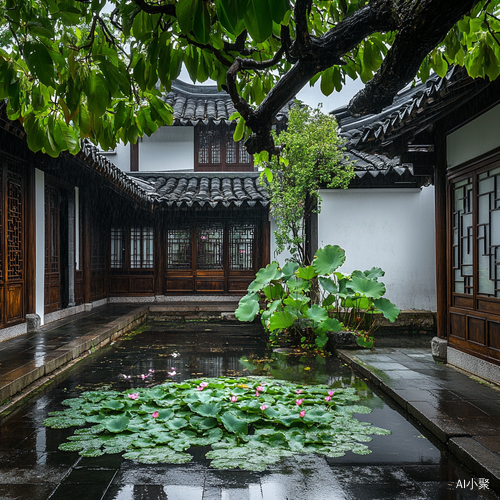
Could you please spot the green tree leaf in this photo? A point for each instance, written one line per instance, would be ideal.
(39, 62)
(258, 20)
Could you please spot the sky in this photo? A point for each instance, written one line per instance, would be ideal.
(312, 96)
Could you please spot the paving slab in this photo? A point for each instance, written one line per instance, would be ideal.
(461, 411)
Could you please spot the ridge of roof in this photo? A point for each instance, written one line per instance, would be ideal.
(413, 110)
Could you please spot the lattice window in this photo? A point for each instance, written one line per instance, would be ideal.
(15, 256)
(231, 150)
(203, 148)
(1, 228)
(117, 248)
(209, 239)
(215, 146)
(209, 146)
(97, 251)
(462, 248)
(141, 248)
(241, 246)
(179, 249)
(488, 232)
(236, 152)
(244, 156)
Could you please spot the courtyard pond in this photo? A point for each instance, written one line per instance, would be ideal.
(213, 413)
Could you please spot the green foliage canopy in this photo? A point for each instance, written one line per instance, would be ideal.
(69, 70)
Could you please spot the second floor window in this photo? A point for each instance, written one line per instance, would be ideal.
(216, 151)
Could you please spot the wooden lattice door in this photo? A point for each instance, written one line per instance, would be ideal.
(52, 249)
(474, 260)
(12, 286)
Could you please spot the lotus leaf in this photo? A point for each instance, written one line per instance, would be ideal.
(248, 307)
(279, 430)
(367, 287)
(306, 273)
(328, 259)
(387, 308)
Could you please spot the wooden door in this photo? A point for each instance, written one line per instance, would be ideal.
(474, 259)
(53, 276)
(12, 285)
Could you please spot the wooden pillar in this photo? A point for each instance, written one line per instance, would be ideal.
(86, 247)
(159, 253)
(441, 240)
(134, 157)
(266, 239)
(30, 236)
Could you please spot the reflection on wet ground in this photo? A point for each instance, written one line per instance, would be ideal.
(405, 465)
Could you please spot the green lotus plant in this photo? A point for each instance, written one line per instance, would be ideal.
(248, 422)
(351, 302)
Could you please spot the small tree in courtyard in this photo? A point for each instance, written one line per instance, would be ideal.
(312, 156)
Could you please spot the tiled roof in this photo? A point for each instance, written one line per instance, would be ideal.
(200, 189)
(92, 158)
(413, 110)
(194, 104)
(375, 164)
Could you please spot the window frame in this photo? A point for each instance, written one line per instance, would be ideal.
(145, 255)
(225, 134)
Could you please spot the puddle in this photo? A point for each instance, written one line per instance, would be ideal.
(404, 465)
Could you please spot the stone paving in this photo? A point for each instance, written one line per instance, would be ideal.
(461, 411)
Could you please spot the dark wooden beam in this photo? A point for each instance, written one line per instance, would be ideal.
(86, 246)
(134, 157)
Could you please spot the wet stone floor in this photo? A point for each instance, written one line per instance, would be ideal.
(404, 465)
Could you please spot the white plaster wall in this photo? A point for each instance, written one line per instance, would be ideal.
(281, 257)
(40, 243)
(475, 138)
(122, 157)
(388, 228)
(169, 148)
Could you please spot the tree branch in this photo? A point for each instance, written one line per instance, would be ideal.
(424, 25)
(168, 8)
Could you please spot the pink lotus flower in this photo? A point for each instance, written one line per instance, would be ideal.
(151, 371)
(155, 414)
(200, 388)
(144, 376)
(299, 401)
(263, 407)
(302, 413)
(328, 398)
(203, 384)
(172, 373)
(260, 388)
(234, 399)
(135, 395)
(257, 394)
(330, 393)
(299, 391)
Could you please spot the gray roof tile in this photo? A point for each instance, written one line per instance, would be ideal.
(194, 104)
(200, 188)
(412, 111)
